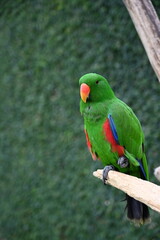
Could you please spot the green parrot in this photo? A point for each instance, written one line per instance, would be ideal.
(114, 136)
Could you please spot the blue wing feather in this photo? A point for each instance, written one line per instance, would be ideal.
(142, 169)
(113, 128)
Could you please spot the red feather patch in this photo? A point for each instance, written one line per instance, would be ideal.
(110, 138)
(89, 145)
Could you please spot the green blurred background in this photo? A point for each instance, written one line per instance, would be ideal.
(47, 190)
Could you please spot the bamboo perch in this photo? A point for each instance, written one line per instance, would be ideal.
(141, 190)
(147, 25)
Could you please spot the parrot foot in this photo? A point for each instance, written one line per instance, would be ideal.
(123, 162)
(105, 172)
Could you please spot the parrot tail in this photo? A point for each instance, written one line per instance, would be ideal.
(137, 211)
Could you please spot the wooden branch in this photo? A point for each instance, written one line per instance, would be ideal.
(147, 25)
(141, 190)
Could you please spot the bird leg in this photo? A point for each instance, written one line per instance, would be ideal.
(105, 172)
(123, 162)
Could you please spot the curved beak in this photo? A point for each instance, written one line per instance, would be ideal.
(84, 92)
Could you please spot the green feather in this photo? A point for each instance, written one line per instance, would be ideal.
(131, 159)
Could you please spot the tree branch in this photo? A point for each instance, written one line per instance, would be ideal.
(141, 190)
(147, 25)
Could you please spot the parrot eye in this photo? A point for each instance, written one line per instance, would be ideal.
(97, 82)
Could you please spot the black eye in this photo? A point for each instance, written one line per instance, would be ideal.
(97, 82)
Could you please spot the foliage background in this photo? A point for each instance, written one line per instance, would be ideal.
(46, 183)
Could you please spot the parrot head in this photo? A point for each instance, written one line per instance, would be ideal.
(94, 88)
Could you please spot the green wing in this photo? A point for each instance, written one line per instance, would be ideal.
(129, 132)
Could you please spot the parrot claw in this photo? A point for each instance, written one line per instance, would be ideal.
(123, 162)
(105, 172)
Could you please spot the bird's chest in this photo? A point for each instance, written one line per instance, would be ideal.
(97, 143)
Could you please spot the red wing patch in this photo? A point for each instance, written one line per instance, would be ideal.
(110, 138)
(89, 145)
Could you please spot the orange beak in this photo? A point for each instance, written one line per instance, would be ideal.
(84, 92)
